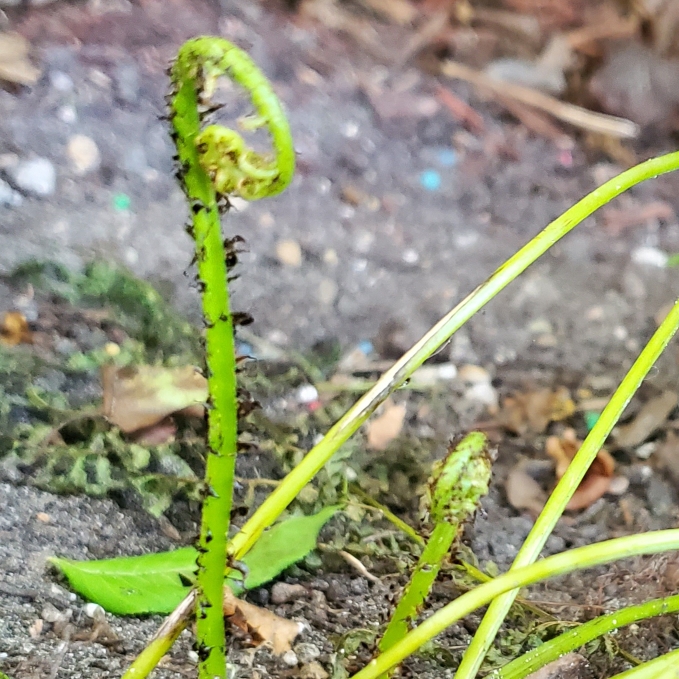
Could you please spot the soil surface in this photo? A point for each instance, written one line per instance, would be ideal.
(360, 247)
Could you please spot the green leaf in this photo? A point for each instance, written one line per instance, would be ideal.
(156, 583)
(283, 545)
(152, 583)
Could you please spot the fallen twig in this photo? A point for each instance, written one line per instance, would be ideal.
(570, 113)
(461, 110)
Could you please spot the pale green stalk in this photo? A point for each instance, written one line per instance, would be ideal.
(582, 634)
(568, 484)
(553, 566)
(664, 667)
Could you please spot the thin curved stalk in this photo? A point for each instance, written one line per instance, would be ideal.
(553, 566)
(664, 667)
(582, 634)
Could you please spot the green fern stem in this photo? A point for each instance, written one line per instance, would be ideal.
(209, 168)
(455, 488)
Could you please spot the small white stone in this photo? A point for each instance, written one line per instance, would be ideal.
(60, 81)
(67, 114)
(306, 393)
(290, 658)
(327, 291)
(36, 176)
(83, 153)
(645, 450)
(410, 256)
(289, 253)
(330, 257)
(94, 611)
(650, 256)
(193, 657)
(619, 485)
(482, 392)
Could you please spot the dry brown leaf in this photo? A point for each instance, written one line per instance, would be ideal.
(648, 419)
(523, 491)
(136, 397)
(385, 428)
(263, 626)
(531, 412)
(14, 64)
(14, 329)
(598, 478)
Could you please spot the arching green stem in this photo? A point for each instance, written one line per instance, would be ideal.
(582, 634)
(553, 566)
(213, 162)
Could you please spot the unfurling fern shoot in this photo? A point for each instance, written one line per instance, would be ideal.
(214, 162)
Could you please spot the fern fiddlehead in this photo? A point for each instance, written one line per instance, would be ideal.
(213, 163)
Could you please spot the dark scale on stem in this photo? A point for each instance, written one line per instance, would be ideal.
(242, 318)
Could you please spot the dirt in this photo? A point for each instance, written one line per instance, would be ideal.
(382, 258)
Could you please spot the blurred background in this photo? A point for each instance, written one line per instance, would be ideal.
(433, 138)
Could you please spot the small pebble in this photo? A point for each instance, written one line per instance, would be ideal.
(430, 180)
(60, 81)
(650, 256)
(282, 592)
(35, 629)
(327, 291)
(289, 253)
(410, 256)
(307, 652)
(313, 670)
(330, 257)
(306, 393)
(473, 374)
(67, 114)
(618, 485)
(36, 176)
(94, 611)
(482, 392)
(83, 153)
(645, 450)
(50, 613)
(289, 658)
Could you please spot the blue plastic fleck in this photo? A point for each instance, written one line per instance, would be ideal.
(244, 349)
(447, 157)
(430, 180)
(366, 347)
